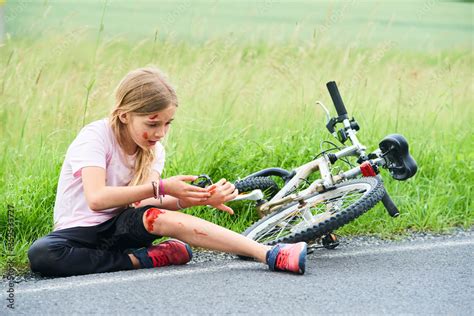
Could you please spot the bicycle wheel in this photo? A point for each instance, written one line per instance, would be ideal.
(266, 184)
(322, 213)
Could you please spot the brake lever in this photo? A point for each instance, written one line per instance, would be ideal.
(328, 115)
(330, 121)
(255, 195)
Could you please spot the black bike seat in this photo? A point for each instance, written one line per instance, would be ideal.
(395, 148)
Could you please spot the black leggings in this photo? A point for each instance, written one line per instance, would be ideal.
(94, 249)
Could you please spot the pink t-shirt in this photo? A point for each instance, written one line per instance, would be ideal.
(95, 145)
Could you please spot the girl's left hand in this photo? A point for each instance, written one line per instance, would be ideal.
(221, 192)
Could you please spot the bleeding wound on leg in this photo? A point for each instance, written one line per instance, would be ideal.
(150, 217)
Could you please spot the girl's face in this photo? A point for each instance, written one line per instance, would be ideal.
(146, 130)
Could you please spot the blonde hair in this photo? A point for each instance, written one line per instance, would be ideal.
(142, 91)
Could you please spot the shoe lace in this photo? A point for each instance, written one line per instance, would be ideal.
(159, 258)
(282, 260)
(167, 254)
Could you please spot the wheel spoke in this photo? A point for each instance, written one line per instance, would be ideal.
(323, 207)
(307, 215)
(281, 225)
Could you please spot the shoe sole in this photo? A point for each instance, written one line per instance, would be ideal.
(302, 259)
(190, 251)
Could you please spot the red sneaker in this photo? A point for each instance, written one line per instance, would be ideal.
(288, 257)
(170, 252)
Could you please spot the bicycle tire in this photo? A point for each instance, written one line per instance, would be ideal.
(325, 223)
(266, 184)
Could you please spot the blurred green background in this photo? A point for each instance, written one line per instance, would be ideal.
(414, 25)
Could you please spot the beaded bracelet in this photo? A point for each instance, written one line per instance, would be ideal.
(159, 195)
(155, 189)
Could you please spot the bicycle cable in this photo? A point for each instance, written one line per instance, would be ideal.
(295, 188)
(335, 147)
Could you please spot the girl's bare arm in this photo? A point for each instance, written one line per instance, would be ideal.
(168, 202)
(100, 197)
(221, 192)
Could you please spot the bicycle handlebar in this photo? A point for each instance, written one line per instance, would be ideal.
(390, 205)
(336, 99)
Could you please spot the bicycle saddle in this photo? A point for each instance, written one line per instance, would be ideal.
(402, 166)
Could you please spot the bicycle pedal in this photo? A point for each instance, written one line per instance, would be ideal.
(330, 241)
(311, 248)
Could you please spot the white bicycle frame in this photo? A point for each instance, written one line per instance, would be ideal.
(327, 179)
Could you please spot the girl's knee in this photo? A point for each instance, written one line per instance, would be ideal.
(153, 220)
(42, 256)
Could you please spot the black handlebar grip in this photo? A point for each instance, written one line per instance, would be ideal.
(336, 99)
(390, 206)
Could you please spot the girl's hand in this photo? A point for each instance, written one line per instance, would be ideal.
(176, 186)
(221, 192)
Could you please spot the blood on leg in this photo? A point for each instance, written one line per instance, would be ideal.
(200, 233)
(151, 215)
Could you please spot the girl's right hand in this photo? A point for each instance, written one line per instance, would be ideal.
(176, 186)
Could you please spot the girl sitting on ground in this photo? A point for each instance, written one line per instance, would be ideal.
(112, 202)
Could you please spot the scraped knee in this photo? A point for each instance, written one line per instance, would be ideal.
(151, 220)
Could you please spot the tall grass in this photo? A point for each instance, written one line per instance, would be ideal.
(243, 107)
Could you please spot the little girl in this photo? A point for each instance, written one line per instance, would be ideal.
(117, 162)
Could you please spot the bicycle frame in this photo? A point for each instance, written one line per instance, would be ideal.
(327, 180)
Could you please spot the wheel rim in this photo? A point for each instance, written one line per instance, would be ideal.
(317, 209)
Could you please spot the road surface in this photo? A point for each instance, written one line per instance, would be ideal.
(420, 276)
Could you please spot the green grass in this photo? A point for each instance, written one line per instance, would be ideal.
(243, 107)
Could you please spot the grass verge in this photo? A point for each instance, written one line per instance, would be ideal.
(243, 107)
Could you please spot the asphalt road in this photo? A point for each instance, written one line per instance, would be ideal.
(420, 276)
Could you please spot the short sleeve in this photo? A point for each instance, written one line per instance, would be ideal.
(89, 149)
(159, 163)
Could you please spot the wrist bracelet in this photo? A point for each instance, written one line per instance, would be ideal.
(159, 190)
(162, 188)
(178, 205)
(155, 189)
